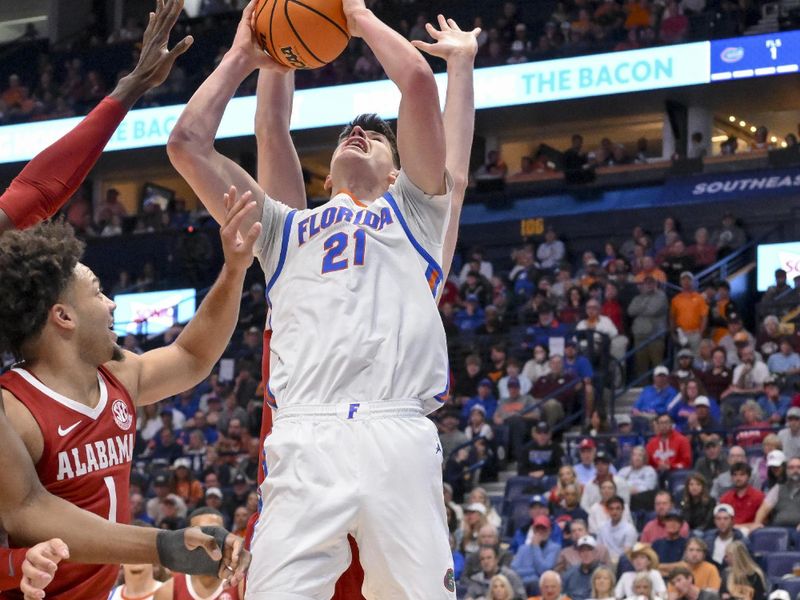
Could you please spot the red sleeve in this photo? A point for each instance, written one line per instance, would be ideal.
(11, 567)
(53, 175)
(684, 452)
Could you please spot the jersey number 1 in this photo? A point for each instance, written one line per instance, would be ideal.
(335, 246)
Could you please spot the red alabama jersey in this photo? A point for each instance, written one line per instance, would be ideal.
(86, 460)
(183, 590)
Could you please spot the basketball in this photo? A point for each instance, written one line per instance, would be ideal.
(301, 34)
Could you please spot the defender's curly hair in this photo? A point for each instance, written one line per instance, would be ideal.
(35, 268)
(372, 122)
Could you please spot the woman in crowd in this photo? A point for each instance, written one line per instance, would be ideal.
(480, 496)
(645, 564)
(573, 310)
(697, 506)
(538, 366)
(500, 588)
(766, 474)
(598, 513)
(474, 519)
(742, 579)
(641, 478)
(754, 427)
(603, 582)
(642, 588)
(566, 476)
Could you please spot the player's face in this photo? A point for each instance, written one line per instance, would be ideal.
(93, 317)
(206, 521)
(140, 571)
(365, 153)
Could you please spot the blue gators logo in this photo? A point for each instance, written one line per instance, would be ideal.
(732, 54)
(450, 581)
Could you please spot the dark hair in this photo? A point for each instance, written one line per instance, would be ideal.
(677, 571)
(205, 510)
(36, 266)
(372, 122)
(488, 547)
(617, 500)
(704, 493)
(742, 467)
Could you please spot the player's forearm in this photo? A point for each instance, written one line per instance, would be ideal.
(128, 90)
(197, 126)
(279, 171)
(403, 64)
(209, 332)
(459, 120)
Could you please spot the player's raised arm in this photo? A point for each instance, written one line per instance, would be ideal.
(279, 172)
(420, 132)
(167, 371)
(191, 143)
(53, 175)
(458, 48)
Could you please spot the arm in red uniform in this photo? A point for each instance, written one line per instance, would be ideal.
(52, 176)
(11, 568)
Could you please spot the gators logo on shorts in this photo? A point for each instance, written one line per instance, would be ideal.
(450, 580)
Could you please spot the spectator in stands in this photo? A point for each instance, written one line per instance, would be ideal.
(656, 528)
(668, 449)
(718, 378)
(768, 337)
(471, 316)
(493, 168)
(479, 583)
(744, 498)
(743, 578)
(537, 507)
(578, 579)
(720, 311)
(780, 507)
(450, 436)
(601, 324)
(541, 456)
(513, 372)
(474, 520)
(692, 412)
(477, 425)
(591, 490)
(487, 536)
(600, 513)
(786, 361)
(550, 586)
(467, 382)
(546, 328)
(484, 398)
(682, 580)
(572, 311)
(552, 251)
(649, 268)
(728, 237)
(640, 478)
(649, 310)
(706, 576)
(538, 366)
(670, 549)
(773, 404)
(724, 482)
(526, 170)
(654, 399)
(497, 362)
(585, 469)
(688, 314)
(674, 24)
(724, 533)
(702, 252)
(566, 477)
(603, 583)
(536, 556)
(645, 561)
(736, 338)
(684, 370)
(697, 506)
(747, 383)
(569, 508)
(574, 158)
(790, 435)
(617, 533)
(780, 287)
(711, 465)
(578, 367)
(570, 556)
(514, 417)
(559, 390)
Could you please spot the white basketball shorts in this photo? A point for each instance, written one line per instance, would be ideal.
(372, 470)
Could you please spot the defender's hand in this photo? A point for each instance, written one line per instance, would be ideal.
(450, 40)
(39, 568)
(238, 250)
(156, 60)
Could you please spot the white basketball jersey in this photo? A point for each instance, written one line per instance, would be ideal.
(352, 290)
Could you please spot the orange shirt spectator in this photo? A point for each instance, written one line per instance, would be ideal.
(689, 311)
(638, 14)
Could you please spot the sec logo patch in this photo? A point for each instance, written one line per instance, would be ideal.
(122, 416)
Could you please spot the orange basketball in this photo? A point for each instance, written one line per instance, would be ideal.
(301, 34)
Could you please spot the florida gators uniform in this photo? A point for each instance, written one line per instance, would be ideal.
(358, 357)
(86, 460)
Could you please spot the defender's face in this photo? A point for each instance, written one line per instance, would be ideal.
(362, 149)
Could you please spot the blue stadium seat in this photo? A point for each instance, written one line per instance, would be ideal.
(517, 487)
(780, 564)
(519, 516)
(769, 539)
(678, 478)
(791, 585)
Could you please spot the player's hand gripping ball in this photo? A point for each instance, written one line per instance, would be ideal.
(301, 34)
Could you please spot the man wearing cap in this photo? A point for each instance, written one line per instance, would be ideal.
(688, 314)
(648, 310)
(790, 435)
(470, 317)
(479, 583)
(781, 505)
(548, 326)
(723, 483)
(578, 579)
(748, 382)
(685, 369)
(671, 547)
(238, 496)
(585, 469)
(591, 490)
(538, 555)
(656, 529)
(487, 536)
(668, 449)
(744, 498)
(718, 539)
(655, 398)
(484, 398)
(737, 336)
(559, 390)
(511, 416)
(711, 465)
(579, 366)
(213, 498)
(774, 404)
(569, 556)
(538, 507)
(541, 456)
(682, 582)
(617, 534)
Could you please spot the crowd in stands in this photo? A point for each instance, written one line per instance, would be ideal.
(71, 77)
